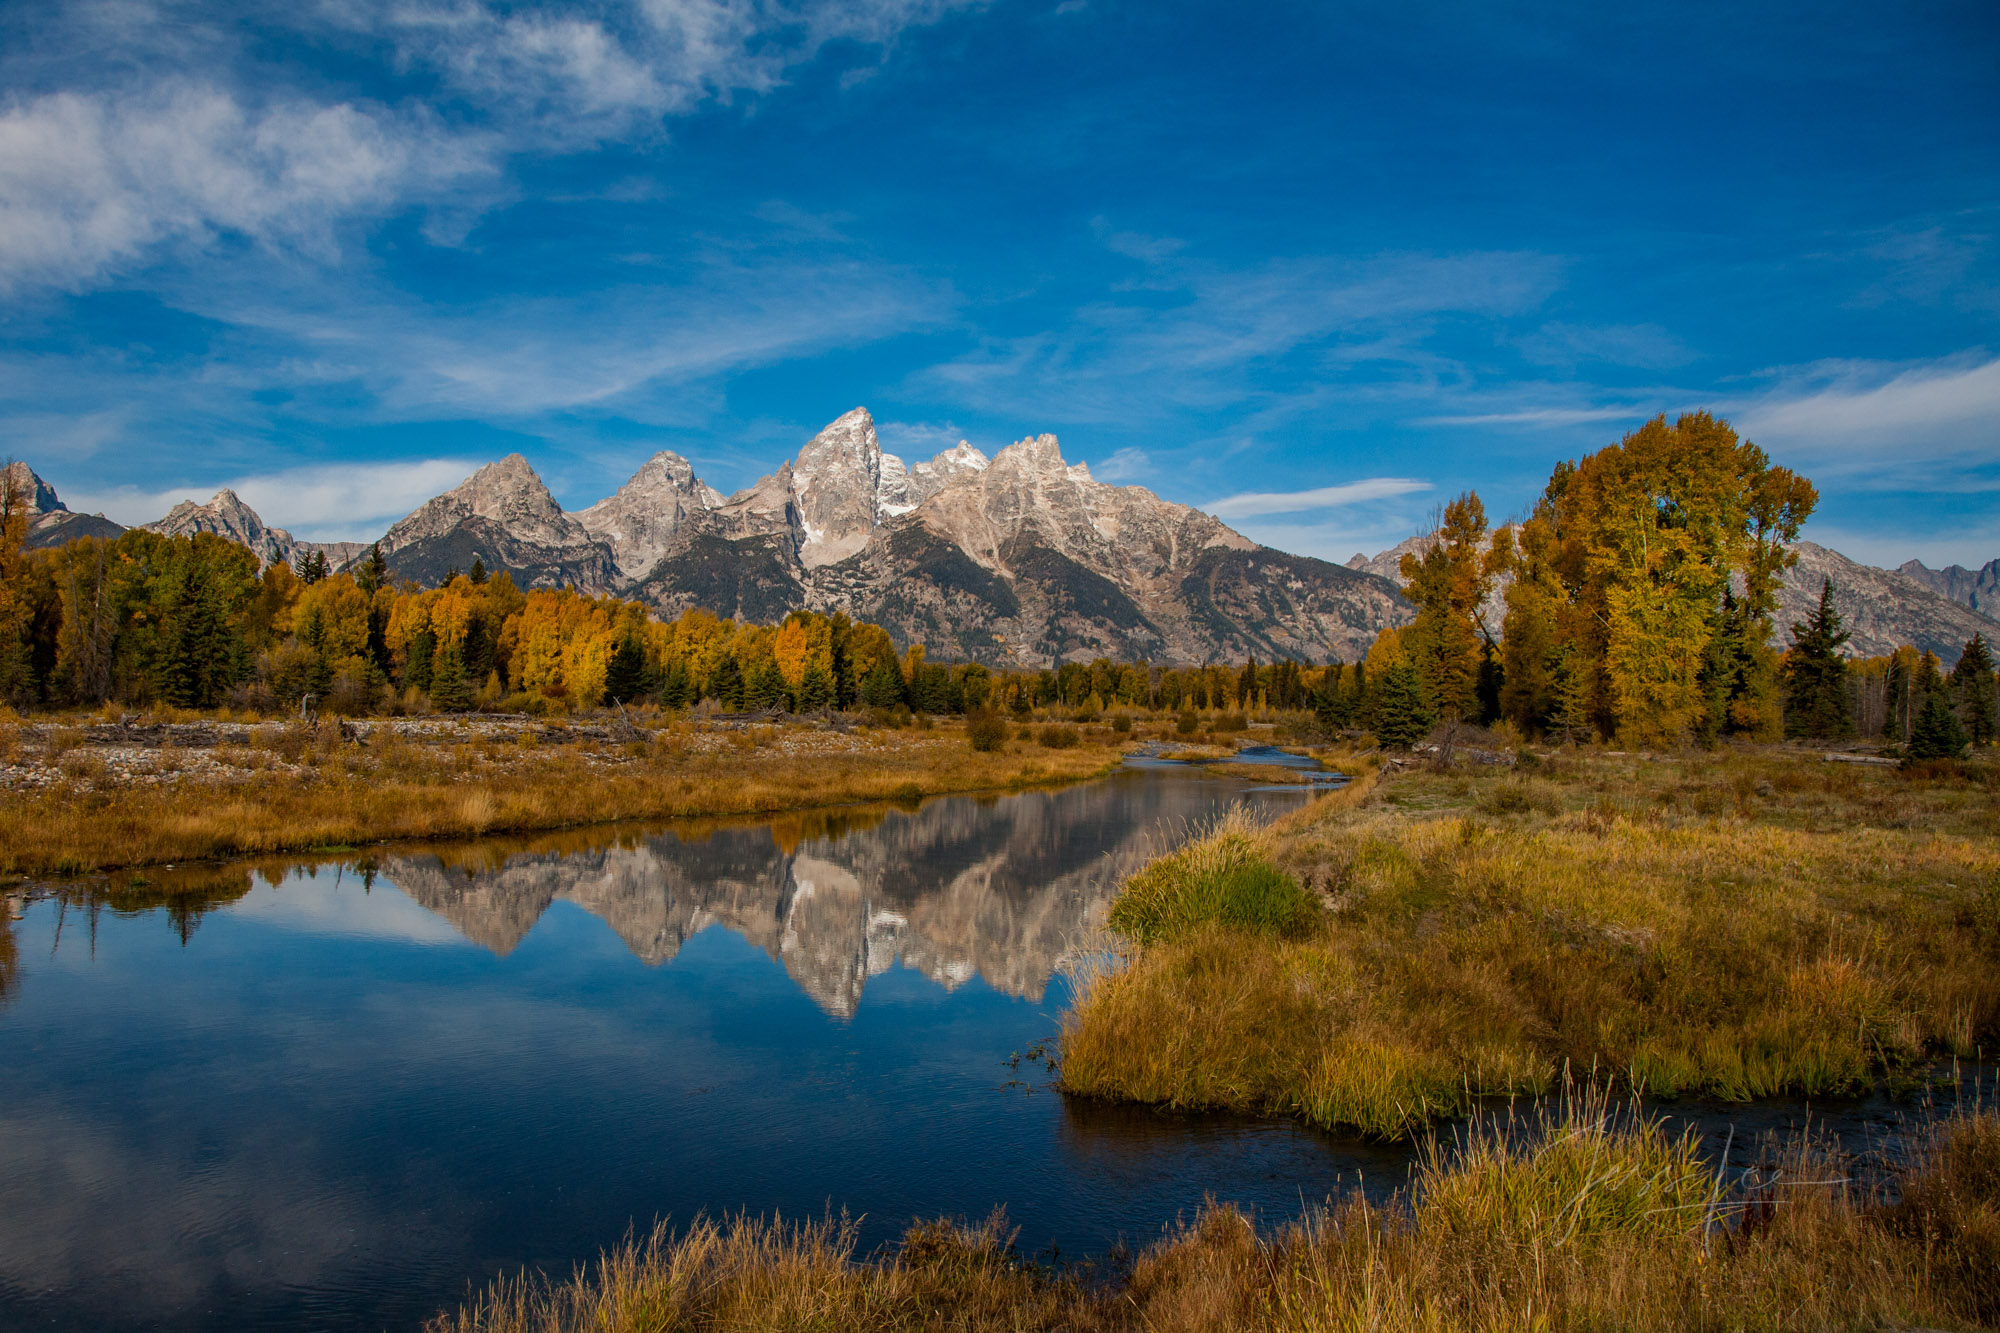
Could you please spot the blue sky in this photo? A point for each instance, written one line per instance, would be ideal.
(1316, 267)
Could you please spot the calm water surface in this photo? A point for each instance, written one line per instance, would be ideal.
(332, 1097)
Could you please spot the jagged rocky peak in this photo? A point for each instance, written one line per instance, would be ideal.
(38, 495)
(642, 519)
(226, 515)
(1978, 589)
(836, 489)
(903, 489)
(507, 492)
(503, 516)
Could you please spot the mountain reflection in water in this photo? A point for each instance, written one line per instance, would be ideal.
(995, 888)
(279, 1095)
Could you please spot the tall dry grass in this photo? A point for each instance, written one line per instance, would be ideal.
(1580, 1220)
(1739, 928)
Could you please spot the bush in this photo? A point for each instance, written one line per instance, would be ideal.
(986, 731)
(1221, 878)
(1061, 738)
(1121, 724)
(1187, 723)
(1232, 722)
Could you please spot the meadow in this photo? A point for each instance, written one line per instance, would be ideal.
(1736, 924)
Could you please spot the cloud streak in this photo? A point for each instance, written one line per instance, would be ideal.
(1252, 504)
(331, 502)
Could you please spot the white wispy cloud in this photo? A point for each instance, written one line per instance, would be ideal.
(121, 151)
(1950, 406)
(1125, 465)
(1541, 416)
(326, 502)
(1252, 504)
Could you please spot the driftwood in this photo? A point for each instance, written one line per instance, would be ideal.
(1834, 757)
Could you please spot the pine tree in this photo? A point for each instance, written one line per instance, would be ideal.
(374, 571)
(725, 685)
(1246, 683)
(313, 568)
(815, 689)
(1403, 716)
(1816, 674)
(1972, 681)
(1331, 705)
(677, 689)
(625, 673)
(882, 687)
(765, 687)
(450, 691)
(1937, 734)
(1448, 581)
(478, 574)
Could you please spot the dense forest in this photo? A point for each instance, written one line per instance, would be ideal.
(1638, 601)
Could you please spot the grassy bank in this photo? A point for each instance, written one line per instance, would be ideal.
(1584, 1224)
(286, 789)
(1737, 925)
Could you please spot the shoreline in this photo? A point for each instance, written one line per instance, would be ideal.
(290, 790)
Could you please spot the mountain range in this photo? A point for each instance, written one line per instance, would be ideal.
(1015, 560)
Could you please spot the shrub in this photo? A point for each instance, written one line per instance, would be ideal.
(1121, 724)
(1232, 722)
(1187, 723)
(1061, 738)
(1222, 878)
(986, 731)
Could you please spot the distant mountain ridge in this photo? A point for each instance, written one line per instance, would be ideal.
(1018, 559)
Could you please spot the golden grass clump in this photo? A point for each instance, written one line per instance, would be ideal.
(1808, 937)
(1579, 1219)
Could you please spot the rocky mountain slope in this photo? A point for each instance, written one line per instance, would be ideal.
(227, 516)
(504, 516)
(1978, 589)
(52, 523)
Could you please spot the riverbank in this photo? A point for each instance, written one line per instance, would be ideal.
(1739, 925)
(1584, 1222)
(87, 798)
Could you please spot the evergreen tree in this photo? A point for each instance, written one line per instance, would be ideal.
(1331, 704)
(1972, 681)
(1937, 734)
(1897, 689)
(313, 568)
(625, 673)
(1816, 674)
(725, 684)
(765, 686)
(450, 691)
(197, 654)
(1403, 716)
(374, 571)
(450, 577)
(478, 574)
(1448, 581)
(1246, 683)
(815, 689)
(677, 688)
(882, 687)
(417, 660)
(1492, 679)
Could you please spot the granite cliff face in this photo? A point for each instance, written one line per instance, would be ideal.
(640, 521)
(1978, 589)
(504, 516)
(227, 516)
(50, 522)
